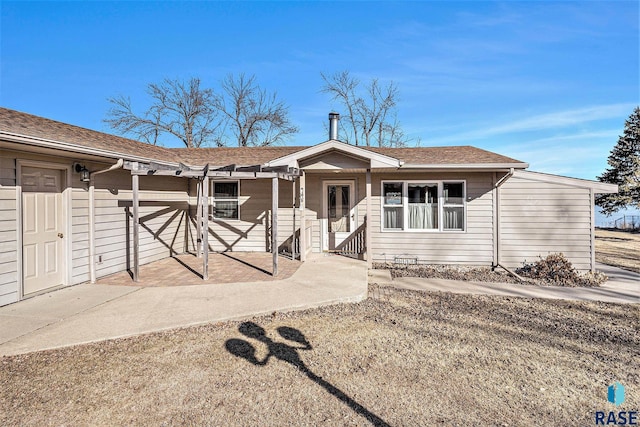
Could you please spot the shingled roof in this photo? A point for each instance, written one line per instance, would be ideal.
(27, 125)
(457, 155)
(244, 156)
(23, 124)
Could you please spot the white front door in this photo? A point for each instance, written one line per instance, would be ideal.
(339, 211)
(43, 228)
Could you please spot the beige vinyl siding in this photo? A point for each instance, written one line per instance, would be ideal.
(539, 218)
(313, 209)
(474, 246)
(163, 222)
(7, 169)
(8, 246)
(79, 234)
(251, 233)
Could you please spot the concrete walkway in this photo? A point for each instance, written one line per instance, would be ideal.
(622, 287)
(88, 313)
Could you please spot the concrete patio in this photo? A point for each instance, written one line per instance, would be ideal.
(88, 313)
(224, 267)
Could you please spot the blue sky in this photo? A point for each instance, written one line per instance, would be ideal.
(549, 83)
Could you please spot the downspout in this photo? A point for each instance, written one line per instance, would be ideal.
(496, 224)
(92, 218)
(505, 178)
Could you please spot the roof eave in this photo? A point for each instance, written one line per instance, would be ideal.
(466, 166)
(596, 186)
(59, 145)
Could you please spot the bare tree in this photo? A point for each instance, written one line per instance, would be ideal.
(371, 118)
(392, 134)
(184, 110)
(253, 116)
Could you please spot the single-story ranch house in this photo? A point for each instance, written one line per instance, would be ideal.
(77, 205)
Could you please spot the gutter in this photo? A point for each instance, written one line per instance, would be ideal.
(505, 178)
(466, 166)
(92, 217)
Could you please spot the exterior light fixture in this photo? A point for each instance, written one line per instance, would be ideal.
(83, 171)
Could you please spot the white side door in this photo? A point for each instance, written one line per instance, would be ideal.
(43, 228)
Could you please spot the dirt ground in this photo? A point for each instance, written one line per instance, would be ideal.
(618, 248)
(400, 358)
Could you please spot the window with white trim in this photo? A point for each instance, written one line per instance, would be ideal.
(453, 206)
(423, 205)
(226, 204)
(393, 209)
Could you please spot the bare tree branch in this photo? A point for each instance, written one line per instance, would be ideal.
(367, 118)
(342, 88)
(184, 110)
(253, 116)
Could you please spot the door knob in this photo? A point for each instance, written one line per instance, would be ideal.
(60, 235)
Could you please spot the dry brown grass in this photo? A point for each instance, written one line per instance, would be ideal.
(618, 248)
(406, 357)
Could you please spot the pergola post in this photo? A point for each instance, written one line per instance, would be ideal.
(293, 208)
(367, 234)
(303, 221)
(198, 218)
(274, 224)
(136, 226)
(205, 228)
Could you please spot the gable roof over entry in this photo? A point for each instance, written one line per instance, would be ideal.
(376, 160)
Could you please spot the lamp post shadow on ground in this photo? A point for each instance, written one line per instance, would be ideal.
(289, 353)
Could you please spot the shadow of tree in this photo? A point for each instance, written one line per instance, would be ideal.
(289, 353)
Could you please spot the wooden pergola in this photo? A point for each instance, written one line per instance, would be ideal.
(202, 175)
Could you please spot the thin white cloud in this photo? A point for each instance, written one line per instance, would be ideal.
(560, 140)
(566, 119)
(560, 119)
(581, 154)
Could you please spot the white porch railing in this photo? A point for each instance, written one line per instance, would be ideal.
(354, 246)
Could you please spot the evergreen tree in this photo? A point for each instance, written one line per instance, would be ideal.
(624, 169)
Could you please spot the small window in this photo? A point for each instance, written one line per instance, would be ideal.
(453, 205)
(392, 205)
(225, 200)
(393, 210)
